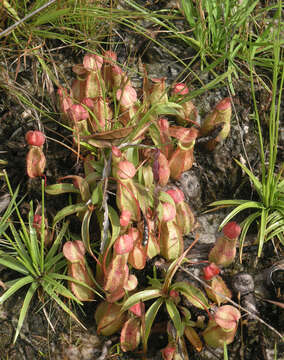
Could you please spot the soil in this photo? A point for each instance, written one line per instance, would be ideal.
(214, 176)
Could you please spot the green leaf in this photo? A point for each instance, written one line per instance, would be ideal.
(240, 208)
(12, 263)
(192, 293)
(187, 7)
(175, 316)
(257, 184)
(97, 194)
(143, 295)
(149, 319)
(62, 188)
(85, 231)
(53, 295)
(69, 210)
(261, 237)
(245, 226)
(52, 251)
(4, 220)
(115, 224)
(228, 203)
(51, 15)
(34, 248)
(18, 285)
(69, 294)
(18, 244)
(25, 307)
(58, 261)
(50, 280)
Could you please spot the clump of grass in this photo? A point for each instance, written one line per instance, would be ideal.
(268, 212)
(42, 270)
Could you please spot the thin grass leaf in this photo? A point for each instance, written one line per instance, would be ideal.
(60, 266)
(57, 287)
(278, 232)
(149, 319)
(240, 208)
(227, 203)
(261, 237)
(175, 316)
(17, 244)
(189, 12)
(257, 184)
(22, 255)
(52, 251)
(13, 264)
(17, 286)
(53, 295)
(274, 220)
(51, 16)
(281, 237)
(4, 221)
(245, 226)
(56, 276)
(25, 307)
(34, 248)
(55, 261)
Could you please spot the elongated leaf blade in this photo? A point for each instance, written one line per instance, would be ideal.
(257, 184)
(85, 231)
(240, 208)
(69, 210)
(34, 248)
(141, 296)
(13, 264)
(58, 287)
(17, 286)
(70, 278)
(245, 226)
(53, 296)
(263, 223)
(149, 319)
(192, 293)
(62, 188)
(52, 251)
(25, 308)
(228, 202)
(115, 224)
(175, 316)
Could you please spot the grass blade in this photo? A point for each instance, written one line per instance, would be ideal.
(25, 307)
(149, 319)
(175, 316)
(17, 286)
(53, 295)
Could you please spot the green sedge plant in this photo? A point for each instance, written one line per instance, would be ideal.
(220, 32)
(41, 270)
(268, 212)
(209, 18)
